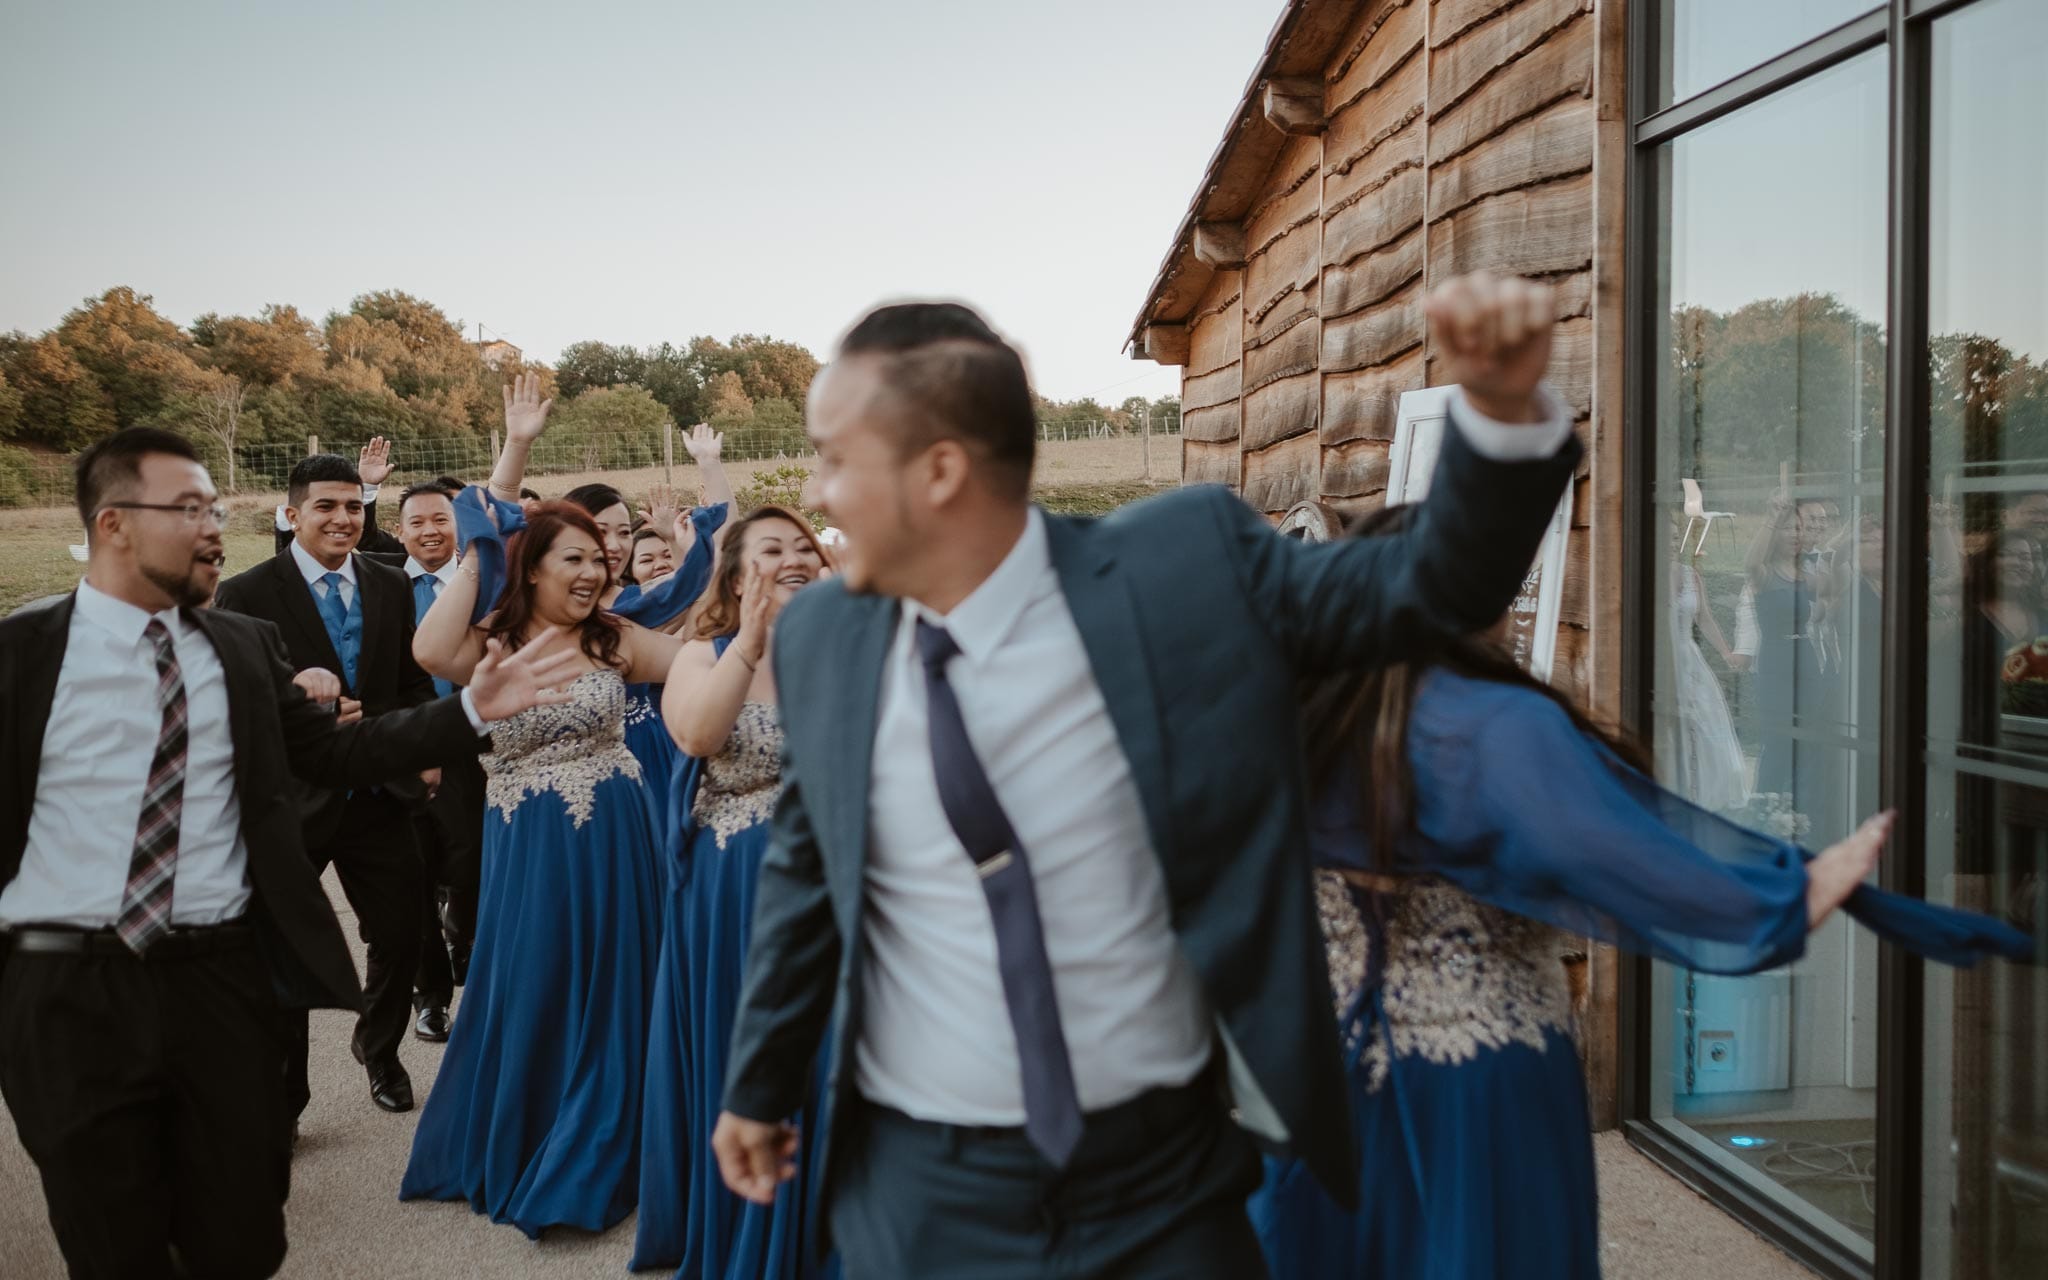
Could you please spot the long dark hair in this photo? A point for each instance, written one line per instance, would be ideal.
(596, 498)
(1360, 719)
(599, 634)
(721, 615)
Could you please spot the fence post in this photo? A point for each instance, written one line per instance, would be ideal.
(312, 445)
(494, 447)
(668, 452)
(1148, 444)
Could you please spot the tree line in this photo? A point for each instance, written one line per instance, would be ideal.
(397, 366)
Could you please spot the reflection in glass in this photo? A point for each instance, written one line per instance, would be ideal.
(1986, 1092)
(1708, 41)
(1770, 406)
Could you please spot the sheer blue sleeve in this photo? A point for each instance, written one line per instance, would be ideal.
(672, 597)
(482, 524)
(1520, 809)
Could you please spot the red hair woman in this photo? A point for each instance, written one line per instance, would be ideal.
(534, 1118)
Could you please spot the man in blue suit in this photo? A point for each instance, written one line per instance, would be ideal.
(1039, 860)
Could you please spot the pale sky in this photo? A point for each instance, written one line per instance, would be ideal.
(626, 170)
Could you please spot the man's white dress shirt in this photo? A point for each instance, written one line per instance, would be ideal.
(97, 749)
(446, 573)
(313, 571)
(936, 1041)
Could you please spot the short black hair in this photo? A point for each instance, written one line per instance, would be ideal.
(412, 491)
(319, 468)
(115, 463)
(596, 497)
(963, 381)
(524, 494)
(450, 483)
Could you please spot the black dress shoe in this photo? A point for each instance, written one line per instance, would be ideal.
(391, 1088)
(431, 1023)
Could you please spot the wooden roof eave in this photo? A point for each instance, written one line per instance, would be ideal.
(1301, 45)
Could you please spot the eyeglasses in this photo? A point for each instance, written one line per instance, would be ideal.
(192, 511)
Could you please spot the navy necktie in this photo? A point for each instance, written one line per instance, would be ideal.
(1052, 1106)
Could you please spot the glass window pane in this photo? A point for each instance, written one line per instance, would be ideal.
(1708, 41)
(1770, 456)
(1986, 1099)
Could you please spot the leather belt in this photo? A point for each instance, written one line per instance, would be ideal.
(180, 943)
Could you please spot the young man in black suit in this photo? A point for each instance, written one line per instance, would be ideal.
(157, 908)
(344, 613)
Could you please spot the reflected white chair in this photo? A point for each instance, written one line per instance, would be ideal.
(1697, 515)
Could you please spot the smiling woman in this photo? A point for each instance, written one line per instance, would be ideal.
(526, 1129)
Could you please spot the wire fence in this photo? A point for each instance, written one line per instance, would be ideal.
(43, 479)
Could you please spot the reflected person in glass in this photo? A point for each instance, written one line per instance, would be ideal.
(1788, 686)
(1463, 813)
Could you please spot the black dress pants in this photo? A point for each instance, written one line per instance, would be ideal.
(450, 832)
(376, 857)
(1155, 1191)
(150, 1093)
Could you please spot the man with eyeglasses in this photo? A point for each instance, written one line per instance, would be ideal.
(157, 908)
(342, 612)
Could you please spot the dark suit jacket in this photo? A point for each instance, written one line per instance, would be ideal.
(276, 733)
(1198, 620)
(387, 677)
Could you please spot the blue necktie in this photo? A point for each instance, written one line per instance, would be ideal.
(1052, 1106)
(426, 588)
(344, 626)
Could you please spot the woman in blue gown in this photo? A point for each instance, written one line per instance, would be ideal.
(720, 702)
(534, 1118)
(1464, 817)
(662, 604)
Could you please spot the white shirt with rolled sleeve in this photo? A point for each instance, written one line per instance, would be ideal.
(935, 1041)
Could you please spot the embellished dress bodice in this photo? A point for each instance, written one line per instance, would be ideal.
(571, 748)
(1455, 976)
(743, 781)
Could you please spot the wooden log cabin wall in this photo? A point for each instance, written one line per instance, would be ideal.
(1383, 146)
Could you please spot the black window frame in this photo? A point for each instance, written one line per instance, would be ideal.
(1905, 29)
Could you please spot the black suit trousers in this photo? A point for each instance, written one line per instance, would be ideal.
(376, 857)
(1155, 1191)
(450, 831)
(150, 1094)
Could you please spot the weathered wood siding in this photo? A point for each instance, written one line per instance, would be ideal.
(1458, 136)
(1212, 386)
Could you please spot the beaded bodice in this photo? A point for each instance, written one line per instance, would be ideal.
(569, 748)
(1458, 977)
(743, 781)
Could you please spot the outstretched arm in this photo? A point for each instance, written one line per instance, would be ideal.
(526, 416)
(1462, 557)
(707, 450)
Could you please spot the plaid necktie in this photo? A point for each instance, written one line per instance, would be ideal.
(146, 903)
(1052, 1105)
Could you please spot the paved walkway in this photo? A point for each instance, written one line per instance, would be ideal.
(346, 1222)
